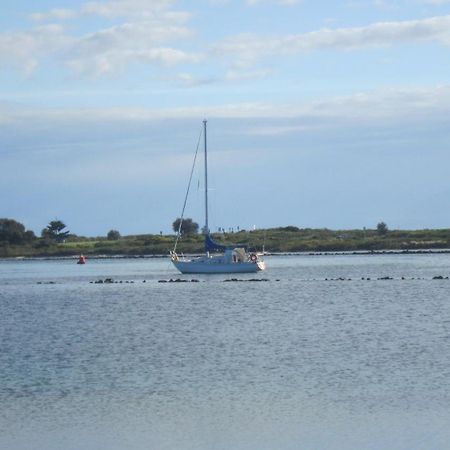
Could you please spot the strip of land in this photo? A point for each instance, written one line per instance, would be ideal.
(274, 240)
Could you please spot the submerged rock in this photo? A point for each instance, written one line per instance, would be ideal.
(179, 280)
(249, 280)
(105, 281)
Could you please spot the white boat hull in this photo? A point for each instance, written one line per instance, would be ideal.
(202, 266)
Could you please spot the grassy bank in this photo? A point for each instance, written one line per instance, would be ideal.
(287, 239)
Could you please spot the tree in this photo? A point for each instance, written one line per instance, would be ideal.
(54, 230)
(382, 229)
(187, 226)
(290, 228)
(13, 232)
(113, 235)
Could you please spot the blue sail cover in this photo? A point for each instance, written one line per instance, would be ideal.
(212, 246)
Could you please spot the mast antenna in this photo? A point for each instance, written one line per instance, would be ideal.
(206, 180)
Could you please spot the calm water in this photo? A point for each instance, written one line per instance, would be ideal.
(293, 363)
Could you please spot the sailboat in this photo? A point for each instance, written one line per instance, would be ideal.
(230, 258)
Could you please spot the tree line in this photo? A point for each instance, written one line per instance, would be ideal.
(13, 232)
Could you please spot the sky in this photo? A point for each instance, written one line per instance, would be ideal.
(322, 114)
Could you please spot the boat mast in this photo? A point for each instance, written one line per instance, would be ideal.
(206, 181)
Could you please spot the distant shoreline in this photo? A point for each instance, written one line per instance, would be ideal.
(272, 254)
(288, 240)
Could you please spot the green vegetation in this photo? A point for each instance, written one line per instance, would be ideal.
(55, 231)
(14, 233)
(186, 227)
(113, 235)
(15, 241)
(382, 229)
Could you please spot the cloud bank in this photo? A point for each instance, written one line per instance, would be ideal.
(150, 33)
(157, 35)
(378, 108)
(247, 49)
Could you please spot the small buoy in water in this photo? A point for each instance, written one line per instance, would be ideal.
(81, 260)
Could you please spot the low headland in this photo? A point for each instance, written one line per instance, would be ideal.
(289, 239)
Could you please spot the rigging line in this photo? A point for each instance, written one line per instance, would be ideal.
(187, 193)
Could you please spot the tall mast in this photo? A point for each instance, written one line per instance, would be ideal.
(206, 181)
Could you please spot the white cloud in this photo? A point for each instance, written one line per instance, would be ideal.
(156, 34)
(127, 8)
(386, 104)
(247, 49)
(112, 9)
(113, 49)
(104, 52)
(110, 62)
(145, 38)
(155, 15)
(55, 14)
(24, 50)
(271, 130)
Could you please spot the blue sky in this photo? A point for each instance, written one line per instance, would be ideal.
(320, 114)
